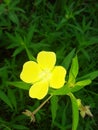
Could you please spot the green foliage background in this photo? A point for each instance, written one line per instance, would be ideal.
(63, 26)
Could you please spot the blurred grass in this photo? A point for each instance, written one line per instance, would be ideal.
(58, 26)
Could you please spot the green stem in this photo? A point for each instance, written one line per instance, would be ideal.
(36, 110)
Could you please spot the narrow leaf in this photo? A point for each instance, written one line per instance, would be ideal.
(30, 33)
(19, 127)
(67, 61)
(73, 70)
(54, 107)
(20, 84)
(13, 17)
(17, 51)
(91, 76)
(5, 98)
(64, 118)
(79, 85)
(12, 98)
(75, 112)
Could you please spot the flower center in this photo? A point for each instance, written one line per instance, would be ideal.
(45, 75)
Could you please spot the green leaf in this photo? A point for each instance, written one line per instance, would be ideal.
(2, 9)
(79, 85)
(12, 98)
(19, 127)
(7, 1)
(13, 17)
(75, 112)
(66, 62)
(73, 70)
(29, 54)
(54, 107)
(30, 33)
(61, 24)
(17, 51)
(62, 91)
(86, 54)
(14, 41)
(64, 118)
(20, 84)
(91, 76)
(13, 5)
(5, 98)
(37, 2)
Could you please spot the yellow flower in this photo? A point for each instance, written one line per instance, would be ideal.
(43, 74)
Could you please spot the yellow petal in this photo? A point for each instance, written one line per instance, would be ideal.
(58, 77)
(39, 90)
(46, 60)
(30, 72)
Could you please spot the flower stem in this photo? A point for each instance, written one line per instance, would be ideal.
(37, 109)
